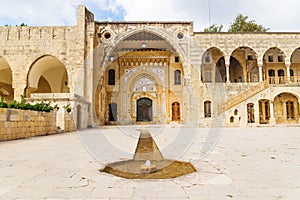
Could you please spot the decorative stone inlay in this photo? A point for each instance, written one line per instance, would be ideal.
(144, 85)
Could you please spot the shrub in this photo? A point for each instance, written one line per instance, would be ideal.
(42, 107)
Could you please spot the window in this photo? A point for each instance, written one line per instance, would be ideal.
(111, 77)
(231, 119)
(177, 59)
(207, 109)
(281, 76)
(249, 57)
(111, 58)
(177, 77)
(270, 58)
(175, 111)
(271, 76)
(280, 58)
(236, 112)
(290, 110)
(207, 58)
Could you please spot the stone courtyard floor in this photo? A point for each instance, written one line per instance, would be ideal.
(231, 163)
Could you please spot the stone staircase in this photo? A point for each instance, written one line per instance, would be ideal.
(243, 96)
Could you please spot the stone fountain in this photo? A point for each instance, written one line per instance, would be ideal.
(148, 163)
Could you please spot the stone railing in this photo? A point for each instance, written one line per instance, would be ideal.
(284, 80)
(243, 96)
(18, 124)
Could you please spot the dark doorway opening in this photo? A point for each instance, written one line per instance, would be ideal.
(144, 110)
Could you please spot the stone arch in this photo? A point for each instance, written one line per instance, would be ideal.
(112, 47)
(47, 71)
(247, 58)
(295, 66)
(286, 108)
(274, 59)
(6, 80)
(143, 74)
(213, 69)
(236, 71)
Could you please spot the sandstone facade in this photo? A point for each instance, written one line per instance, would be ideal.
(153, 72)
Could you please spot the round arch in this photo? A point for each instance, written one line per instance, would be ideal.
(6, 80)
(295, 66)
(47, 75)
(286, 108)
(212, 69)
(248, 60)
(274, 60)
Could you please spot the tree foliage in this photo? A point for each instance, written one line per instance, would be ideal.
(214, 28)
(241, 24)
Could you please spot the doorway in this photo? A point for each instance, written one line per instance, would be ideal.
(144, 110)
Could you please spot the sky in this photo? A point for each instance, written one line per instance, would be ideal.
(279, 16)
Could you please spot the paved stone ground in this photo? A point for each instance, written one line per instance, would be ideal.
(254, 163)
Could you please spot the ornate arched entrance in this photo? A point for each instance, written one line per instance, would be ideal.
(142, 82)
(144, 110)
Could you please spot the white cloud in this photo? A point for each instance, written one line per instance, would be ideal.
(277, 16)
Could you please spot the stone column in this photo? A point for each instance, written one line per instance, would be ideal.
(90, 80)
(256, 113)
(288, 73)
(18, 85)
(227, 73)
(298, 111)
(272, 118)
(260, 66)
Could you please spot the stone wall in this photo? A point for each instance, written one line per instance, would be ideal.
(19, 124)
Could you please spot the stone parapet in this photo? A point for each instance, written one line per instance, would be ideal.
(20, 124)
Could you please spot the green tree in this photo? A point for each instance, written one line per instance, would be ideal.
(23, 24)
(241, 24)
(214, 28)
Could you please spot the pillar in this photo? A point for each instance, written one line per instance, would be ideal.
(256, 113)
(298, 111)
(288, 73)
(227, 73)
(272, 118)
(260, 71)
(90, 80)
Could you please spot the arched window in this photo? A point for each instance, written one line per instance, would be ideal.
(281, 76)
(111, 77)
(177, 77)
(292, 75)
(175, 111)
(207, 109)
(272, 76)
(231, 119)
(236, 112)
